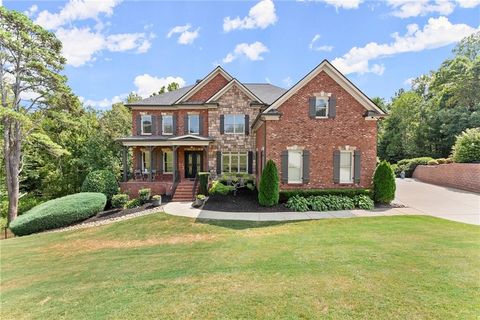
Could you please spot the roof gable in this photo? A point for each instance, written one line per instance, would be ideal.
(338, 77)
(230, 85)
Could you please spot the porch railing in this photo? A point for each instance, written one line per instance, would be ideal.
(176, 181)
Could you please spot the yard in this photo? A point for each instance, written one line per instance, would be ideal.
(161, 266)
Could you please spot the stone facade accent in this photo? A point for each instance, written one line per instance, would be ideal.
(209, 89)
(465, 176)
(322, 136)
(233, 101)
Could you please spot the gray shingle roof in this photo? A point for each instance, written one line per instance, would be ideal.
(268, 93)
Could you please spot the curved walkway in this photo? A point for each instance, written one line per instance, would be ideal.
(185, 209)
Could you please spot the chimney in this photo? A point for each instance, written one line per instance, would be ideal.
(198, 81)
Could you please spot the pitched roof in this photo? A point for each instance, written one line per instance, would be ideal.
(164, 99)
(266, 92)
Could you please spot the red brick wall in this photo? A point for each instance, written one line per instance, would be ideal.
(322, 136)
(209, 89)
(180, 118)
(465, 176)
(131, 187)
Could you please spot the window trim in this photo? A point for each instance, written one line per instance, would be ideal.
(151, 124)
(163, 125)
(327, 99)
(301, 167)
(164, 164)
(352, 164)
(189, 126)
(230, 161)
(235, 115)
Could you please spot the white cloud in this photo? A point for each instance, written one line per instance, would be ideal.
(260, 16)
(288, 82)
(339, 4)
(415, 8)
(103, 103)
(438, 32)
(31, 11)
(315, 47)
(468, 3)
(186, 36)
(147, 84)
(252, 51)
(76, 10)
(80, 45)
(409, 81)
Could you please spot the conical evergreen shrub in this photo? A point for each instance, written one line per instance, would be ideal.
(384, 183)
(268, 190)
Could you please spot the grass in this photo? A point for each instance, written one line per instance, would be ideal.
(160, 266)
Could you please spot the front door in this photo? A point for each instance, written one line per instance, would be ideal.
(193, 163)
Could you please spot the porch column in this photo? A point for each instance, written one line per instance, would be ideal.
(150, 176)
(175, 164)
(125, 166)
(205, 159)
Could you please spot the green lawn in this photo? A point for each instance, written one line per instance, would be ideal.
(162, 267)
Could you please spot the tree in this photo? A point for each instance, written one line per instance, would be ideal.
(133, 97)
(384, 183)
(268, 190)
(173, 86)
(467, 146)
(30, 62)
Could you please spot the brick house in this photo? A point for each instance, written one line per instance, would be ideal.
(322, 133)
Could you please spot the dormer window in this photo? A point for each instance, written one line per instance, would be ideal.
(146, 124)
(321, 107)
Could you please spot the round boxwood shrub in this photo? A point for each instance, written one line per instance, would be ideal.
(268, 190)
(467, 146)
(60, 212)
(119, 200)
(432, 162)
(384, 183)
(102, 181)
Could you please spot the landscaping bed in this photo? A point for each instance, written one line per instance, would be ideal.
(245, 201)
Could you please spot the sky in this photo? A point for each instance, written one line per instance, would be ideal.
(114, 47)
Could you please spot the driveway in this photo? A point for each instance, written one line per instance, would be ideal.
(441, 202)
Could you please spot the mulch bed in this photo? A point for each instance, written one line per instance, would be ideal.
(244, 201)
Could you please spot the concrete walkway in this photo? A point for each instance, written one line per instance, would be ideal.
(185, 209)
(441, 202)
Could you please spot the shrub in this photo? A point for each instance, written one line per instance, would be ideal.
(384, 183)
(59, 213)
(297, 203)
(134, 203)
(268, 190)
(432, 162)
(119, 200)
(219, 188)
(25, 203)
(333, 202)
(409, 165)
(318, 203)
(157, 197)
(102, 181)
(203, 182)
(449, 160)
(250, 186)
(287, 194)
(144, 195)
(200, 196)
(363, 202)
(467, 146)
(441, 160)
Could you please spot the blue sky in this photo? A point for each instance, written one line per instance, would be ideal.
(114, 47)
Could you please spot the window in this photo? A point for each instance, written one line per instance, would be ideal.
(321, 105)
(168, 162)
(295, 166)
(234, 162)
(234, 123)
(346, 167)
(194, 124)
(146, 124)
(145, 161)
(167, 124)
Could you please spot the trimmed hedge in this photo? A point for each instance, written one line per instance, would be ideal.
(102, 181)
(268, 190)
(60, 212)
(119, 200)
(384, 183)
(287, 194)
(409, 165)
(144, 195)
(203, 182)
(329, 203)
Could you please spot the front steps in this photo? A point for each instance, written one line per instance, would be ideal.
(184, 191)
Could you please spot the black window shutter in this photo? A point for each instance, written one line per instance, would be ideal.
(154, 125)
(247, 124)
(222, 123)
(159, 125)
(250, 162)
(219, 162)
(160, 162)
(174, 118)
(332, 107)
(284, 166)
(138, 158)
(138, 121)
(336, 166)
(306, 166)
(357, 166)
(185, 123)
(311, 109)
(256, 162)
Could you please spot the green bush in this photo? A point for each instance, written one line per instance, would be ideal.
(119, 200)
(334, 203)
(144, 195)
(228, 178)
(102, 181)
(287, 194)
(363, 202)
(268, 190)
(432, 162)
(59, 213)
(441, 160)
(409, 165)
(384, 183)
(467, 146)
(203, 182)
(297, 203)
(25, 203)
(318, 203)
(134, 203)
(449, 160)
(219, 188)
